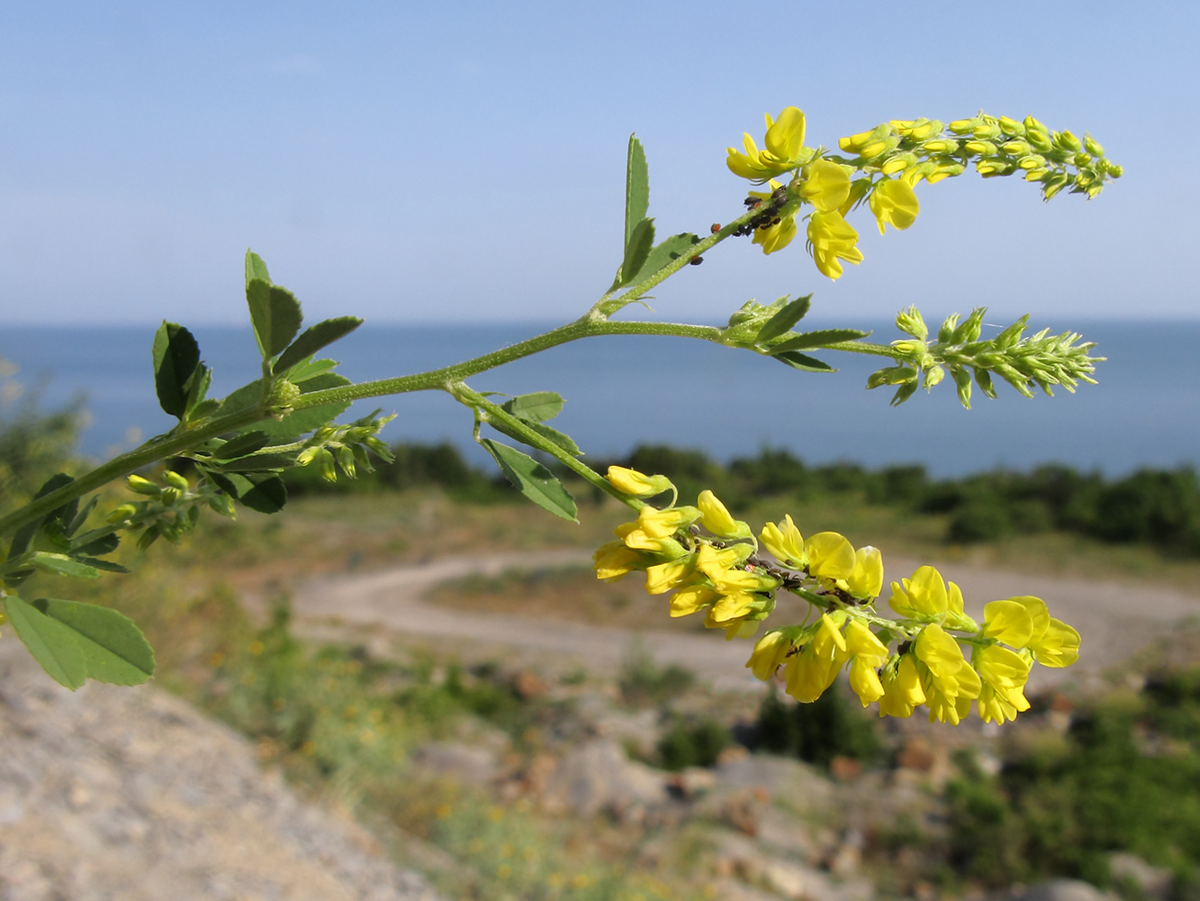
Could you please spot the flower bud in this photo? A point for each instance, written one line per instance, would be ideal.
(933, 377)
(1040, 140)
(892, 375)
(899, 163)
(1033, 161)
(854, 142)
(1011, 127)
(1016, 148)
(142, 486)
(941, 145)
(963, 126)
(121, 514)
(176, 480)
(1113, 170)
(169, 496)
(983, 148)
(1066, 140)
(1092, 146)
(875, 148)
(1081, 159)
(992, 168)
(912, 323)
(903, 393)
(222, 504)
(1036, 174)
(986, 130)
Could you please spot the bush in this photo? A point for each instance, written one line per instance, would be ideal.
(687, 744)
(832, 726)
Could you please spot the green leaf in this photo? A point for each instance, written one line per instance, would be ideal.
(63, 565)
(256, 268)
(783, 321)
(87, 546)
(80, 517)
(550, 434)
(532, 479)
(637, 251)
(107, 565)
(637, 189)
(51, 643)
(239, 446)
(176, 356)
(275, 315)
(313, 339)
(293, 424)
(259, 463)
(262, 492)
(308, 369)
(537, 406)
(24, 535)
(802, 361)
(114, 649)
(664, 253)
(197, 387)
(821, 338)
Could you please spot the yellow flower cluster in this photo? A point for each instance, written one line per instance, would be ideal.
(714, 563)
(883, 166)
(821, 183)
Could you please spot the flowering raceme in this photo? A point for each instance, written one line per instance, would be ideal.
(711, 563)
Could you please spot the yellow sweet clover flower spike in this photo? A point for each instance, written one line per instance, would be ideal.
(826, 185)
(769, 653)
(866, 581)
(902, 691)
(867, 654)
(831, 240)
(809, 673)
(784, 142)
(830, 556)
(1009, 622)
(637, 484)
(715, 517)
(921, 597)
(894, 203)
(785, 543)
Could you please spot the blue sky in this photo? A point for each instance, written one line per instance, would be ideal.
(404, 163)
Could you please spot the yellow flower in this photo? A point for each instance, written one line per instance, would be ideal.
(894, 203)
(614, 560)
(692, 599)
(663, 577)
(826, 185)
(902, 690)
(832, 240)
(785, 543)
(922, 596)
(830, 556)
(1010, 622)
(866, 581)
(945, 671)
(715, 517)
(665, 523)
(630, 481)
(813, 670)
(1004, 673)
(1053, 642)
(784, 141)
(769, 653)
(867, 654)
(776, 236)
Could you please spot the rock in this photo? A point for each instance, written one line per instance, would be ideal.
(692, 782)
(597, 776)
(1146, 878)
(845, 769)
(128, 793)
(466, 764)
(527, 684)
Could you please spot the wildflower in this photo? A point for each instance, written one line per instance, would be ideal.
(826, 185)
(945, 669)
(922, 596)
(894, 203)
(665, 523)
(866, 580)
(1004, 674)
(813, 670)
(769, 653)
(902, 691)
(692, 599)
(830, 556)
(784, 142)
(867, 654)
(716, 518)
(832, 240)
(1052, 642)
(630, 481)
(662, 577)
(614, 560)
(777, 235)
(785, 543)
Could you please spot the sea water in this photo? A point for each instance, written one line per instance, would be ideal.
(622, 391)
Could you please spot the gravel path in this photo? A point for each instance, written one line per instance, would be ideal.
(1114, 620)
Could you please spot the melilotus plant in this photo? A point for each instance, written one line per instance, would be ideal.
(239, 445)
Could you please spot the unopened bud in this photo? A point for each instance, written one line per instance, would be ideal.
(1113, 170)
(904, 392)
(893, 375)
(222, 504)
(986, 130)
(992, 168)
(899, 163)
(1033, 161)
(855, 143)
(941, 145)
(169, 496)
(963, 126)
(1032, 124)
(1040, 140)
(983, 148)
(1067, 141)
(1092, 146)
(1082, 159)
(176, 480)
(1016, 148)
(142, 486)
(1011, 127)
(1054, 185)
(912, 323)
(933, 377)
(121, 514)
(875, 148)
(1036, 174)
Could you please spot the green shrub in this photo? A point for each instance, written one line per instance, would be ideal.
(692, 743)
(832, 726)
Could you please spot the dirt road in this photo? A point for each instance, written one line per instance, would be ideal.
(1114, 620)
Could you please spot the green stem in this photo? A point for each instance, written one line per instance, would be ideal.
(152, 451)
